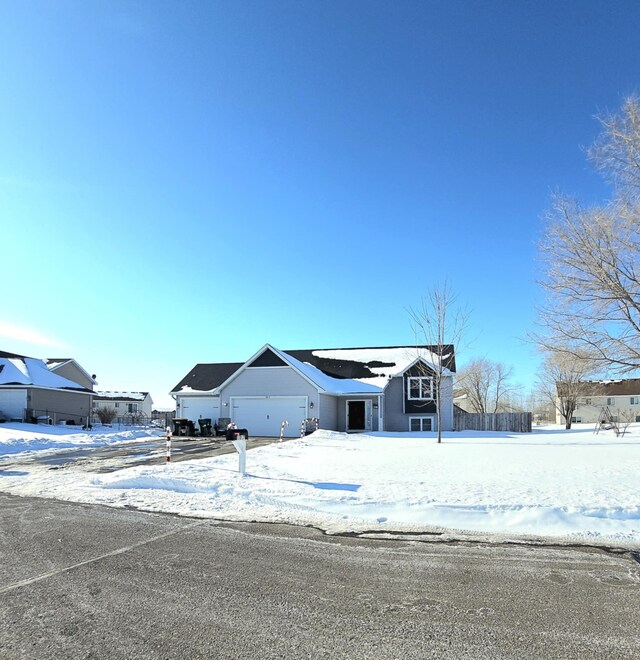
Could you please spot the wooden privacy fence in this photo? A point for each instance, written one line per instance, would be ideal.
(513, 422)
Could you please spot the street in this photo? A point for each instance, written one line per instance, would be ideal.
(81, 581)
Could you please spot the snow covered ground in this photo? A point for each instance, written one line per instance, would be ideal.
(21, 438)
(549, 483)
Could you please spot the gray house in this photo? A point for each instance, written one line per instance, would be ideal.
(345, 389)
(70, 369)
(30, 391)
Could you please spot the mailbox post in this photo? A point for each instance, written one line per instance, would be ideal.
(241, 447)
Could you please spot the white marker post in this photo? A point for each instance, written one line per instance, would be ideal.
(241, 447)
(168, 444)
(283, 426)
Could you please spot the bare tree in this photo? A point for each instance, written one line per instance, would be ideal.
(440, 323)
(486, 384)
(592, 258)
(562, 381)
(616, 153)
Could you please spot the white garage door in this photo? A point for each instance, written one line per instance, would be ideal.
(200, 407)
(13, 403)
(264, 416)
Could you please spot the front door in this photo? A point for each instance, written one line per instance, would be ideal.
(356, 416)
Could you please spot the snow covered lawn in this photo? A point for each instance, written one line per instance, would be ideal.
(549, 483)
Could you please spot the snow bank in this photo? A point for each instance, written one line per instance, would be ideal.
(16, 438)
(549, 483)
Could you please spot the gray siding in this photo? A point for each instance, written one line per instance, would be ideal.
(447, 404)
(59, 405)
(268, 381)
(394, 417)
(397, 420)
(71, 372)
(328, 412)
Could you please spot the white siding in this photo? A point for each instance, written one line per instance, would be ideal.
(589, 413)
(268, 381)
(198, 407)
(264, 415)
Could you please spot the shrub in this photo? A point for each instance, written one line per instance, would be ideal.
(106, 415)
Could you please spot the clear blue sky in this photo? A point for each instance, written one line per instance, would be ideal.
(183, 182)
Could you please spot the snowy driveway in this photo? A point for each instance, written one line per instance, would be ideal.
(110, 458)
(574, 486)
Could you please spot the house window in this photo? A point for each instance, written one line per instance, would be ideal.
(611, 401)
(420, 388)
(117, 404)
(634, 400)
(576, 420)
(587, 402)
(417, 424)
(132, 407)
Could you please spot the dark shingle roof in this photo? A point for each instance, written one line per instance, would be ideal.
(622, 387)
(206, 377)
(4, 354)
(350, 368)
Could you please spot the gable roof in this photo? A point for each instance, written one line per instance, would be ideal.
(56, 363)
(26, 371)
(310, 373)
(370, 366)
(206, 377)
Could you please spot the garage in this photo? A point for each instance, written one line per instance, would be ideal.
(264, 415)
(13, 404)
(199, 407)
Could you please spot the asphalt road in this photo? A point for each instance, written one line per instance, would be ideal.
(80, 581)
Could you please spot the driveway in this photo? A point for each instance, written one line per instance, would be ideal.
(81, 581)
(116, 457)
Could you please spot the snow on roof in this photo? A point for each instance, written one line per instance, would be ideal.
(32, 371)
(394, 361)
(136, 396)
(327, 383)
(52, 363)
(185, 389)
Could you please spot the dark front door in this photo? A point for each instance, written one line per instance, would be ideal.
(355, 416)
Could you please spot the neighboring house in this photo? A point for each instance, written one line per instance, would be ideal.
(461, 399)
(346, 389)
(30, 391)
(126, 404)
(622, 397)
(70, 369)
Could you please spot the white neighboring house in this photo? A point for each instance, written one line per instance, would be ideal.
(359, 389)
(622, 397)
(137, 405)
